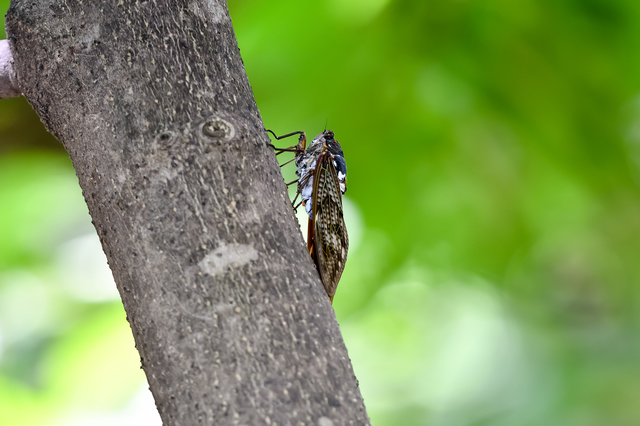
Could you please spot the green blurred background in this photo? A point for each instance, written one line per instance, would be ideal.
(493, 149)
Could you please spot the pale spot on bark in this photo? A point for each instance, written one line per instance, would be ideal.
(325, 421)
(227, 256)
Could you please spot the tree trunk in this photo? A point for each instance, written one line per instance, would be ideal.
(151, 100)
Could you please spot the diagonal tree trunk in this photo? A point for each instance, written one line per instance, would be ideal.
(151, 100)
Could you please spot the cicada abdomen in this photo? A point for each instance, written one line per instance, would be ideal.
(322, 174)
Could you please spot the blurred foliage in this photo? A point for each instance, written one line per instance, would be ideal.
(494, 161)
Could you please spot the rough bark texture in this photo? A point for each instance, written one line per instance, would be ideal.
(151, 100)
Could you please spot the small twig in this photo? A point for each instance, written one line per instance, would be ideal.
(8, 81)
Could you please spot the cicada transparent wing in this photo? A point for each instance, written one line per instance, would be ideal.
(327, 237)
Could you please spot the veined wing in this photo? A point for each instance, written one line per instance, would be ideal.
(327, 239)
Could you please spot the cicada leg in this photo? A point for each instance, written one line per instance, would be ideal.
(297, 149)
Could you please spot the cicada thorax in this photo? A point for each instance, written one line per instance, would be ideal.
(324, 147)
(322, 174)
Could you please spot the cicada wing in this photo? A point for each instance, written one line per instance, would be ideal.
(329, 243)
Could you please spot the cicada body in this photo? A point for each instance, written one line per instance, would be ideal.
(322, 176)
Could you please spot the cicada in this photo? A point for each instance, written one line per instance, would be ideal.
(322, 180)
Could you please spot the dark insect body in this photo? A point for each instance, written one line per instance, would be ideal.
(322, 179)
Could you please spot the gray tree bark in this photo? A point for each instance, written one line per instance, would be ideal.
(151, 100)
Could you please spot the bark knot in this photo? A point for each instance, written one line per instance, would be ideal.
(218, 128)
